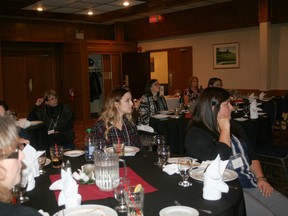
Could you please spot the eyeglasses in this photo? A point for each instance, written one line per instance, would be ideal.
(14, 155)
(52, 98)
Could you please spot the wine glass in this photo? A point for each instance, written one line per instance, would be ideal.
(184, 165)
(42, 161)
(163, 154)
(159, 140)
(22, 187)
(236, 107)
(119, 186)
(246, 111)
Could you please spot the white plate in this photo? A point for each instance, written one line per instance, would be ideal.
(166, 112)
(74, 153)
(91, 210)
(175, 160)
(178, 210)
(241, 119)
(33, 123)
(198, 174)
(161, 116)
(47, 162)
(128, 150)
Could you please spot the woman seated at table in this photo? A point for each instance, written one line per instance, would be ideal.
(57, 117)
(115, 123)
(215, 82)
(152, 102)
(212, 132)
(191, 93)
(10, 168)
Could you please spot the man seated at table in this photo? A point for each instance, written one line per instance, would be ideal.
(151, 102)
(212, 132)
(57, 118)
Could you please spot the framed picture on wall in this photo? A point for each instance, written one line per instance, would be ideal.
(226, 55)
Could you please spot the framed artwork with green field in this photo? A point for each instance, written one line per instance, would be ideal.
(226, 55)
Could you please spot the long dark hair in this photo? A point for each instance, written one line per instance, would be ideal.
(148, 87)
(207, 108)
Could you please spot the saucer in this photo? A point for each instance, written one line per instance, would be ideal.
(178, 210)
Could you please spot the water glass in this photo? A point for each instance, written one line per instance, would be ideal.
(246, 110)
(42, 161)
(119, 149)
(56, 154)
(22, 187)
(184, 165)
(158, 141)
(135, 201)
(163, 154)
(120, 186)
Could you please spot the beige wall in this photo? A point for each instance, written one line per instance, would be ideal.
(160, 67)
(247, 76)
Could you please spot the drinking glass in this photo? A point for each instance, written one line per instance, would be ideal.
(22, 187)
(163, 154)
(135, 201)
(184, 165)
(246, 110)
(158, 141)
(119, 186)
(42, 161)
(236, 107)
(56, 154)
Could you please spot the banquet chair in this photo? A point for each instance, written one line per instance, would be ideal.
(274, 156)
(147, 140)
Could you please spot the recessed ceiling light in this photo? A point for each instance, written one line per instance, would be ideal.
(90, 13)
(39, 8)
(126, 3)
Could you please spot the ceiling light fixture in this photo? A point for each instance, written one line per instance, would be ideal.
(39, 9)
(126, 3)
(90, 13)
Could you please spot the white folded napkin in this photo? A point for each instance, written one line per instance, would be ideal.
(69, 190)
(251, 97)
(171, 169)
(145, 128)
(43, 213)
(213, 180)
(254, 109)
(31, 165)
(23, 123)
(262, 95)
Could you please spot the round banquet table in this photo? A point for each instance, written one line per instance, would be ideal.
(231, 203)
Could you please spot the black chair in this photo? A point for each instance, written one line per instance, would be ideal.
(147, 140)
(274, 156)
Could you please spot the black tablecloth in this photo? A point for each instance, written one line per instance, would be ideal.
(168, 191)
(174, 131)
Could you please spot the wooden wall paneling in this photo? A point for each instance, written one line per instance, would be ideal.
(107, 74)
(198, 20)
(15, 90)
(1, 73)
(108, 46)
(117, 77)
(78, 77)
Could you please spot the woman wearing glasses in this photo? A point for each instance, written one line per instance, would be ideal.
(57, 117)
(151, 103)
(10, 168)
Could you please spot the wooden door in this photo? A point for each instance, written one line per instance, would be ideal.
(179, 68)
(25, 78)
(136, 71)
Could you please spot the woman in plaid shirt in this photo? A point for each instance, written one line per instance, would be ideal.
(115, 123)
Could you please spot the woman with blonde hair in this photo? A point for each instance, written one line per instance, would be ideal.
(10, 168)
(115, 123)
(192, 92)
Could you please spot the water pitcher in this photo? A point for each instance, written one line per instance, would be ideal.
(107, 169)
